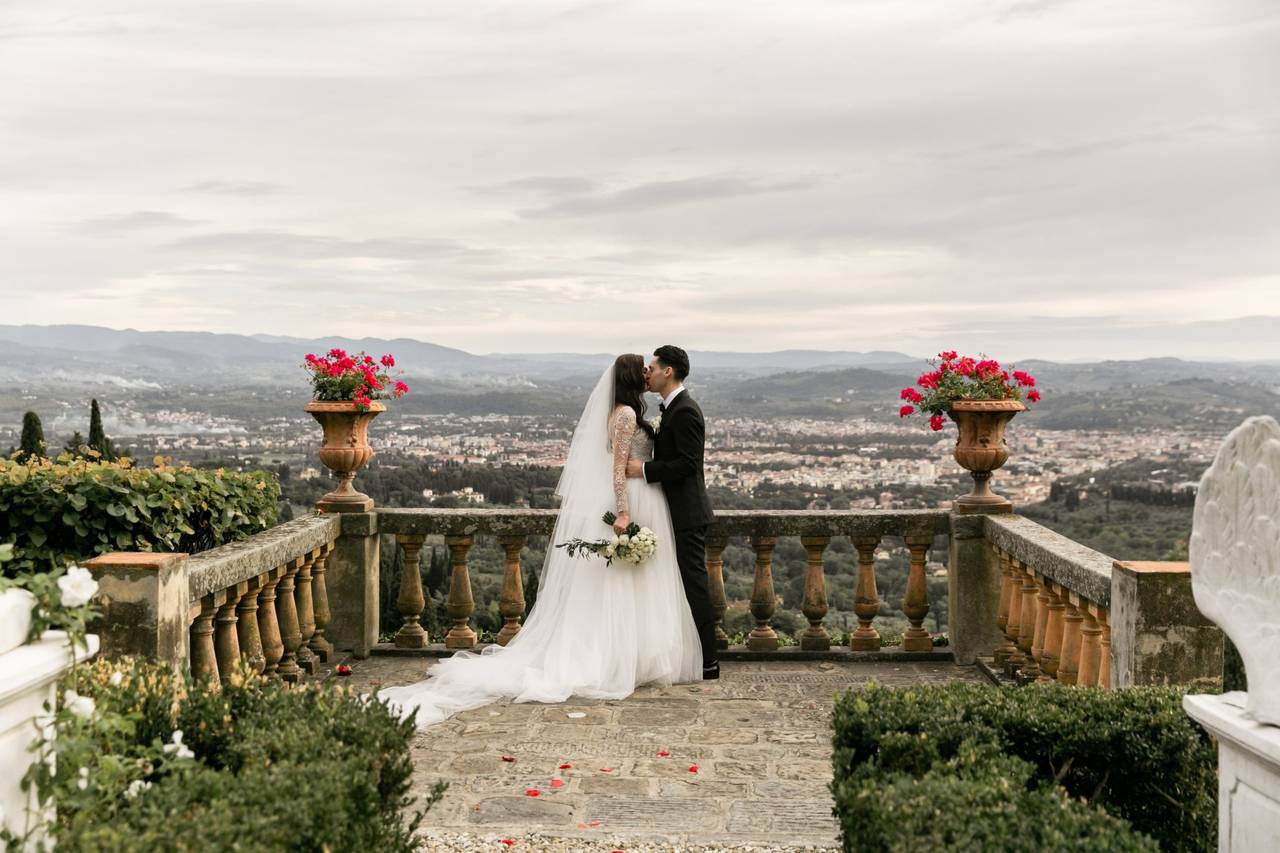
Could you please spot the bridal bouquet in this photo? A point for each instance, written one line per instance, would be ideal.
(635, 545)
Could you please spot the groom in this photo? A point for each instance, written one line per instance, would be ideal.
(677, 465)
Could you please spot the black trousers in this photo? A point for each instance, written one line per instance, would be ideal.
(691, 556)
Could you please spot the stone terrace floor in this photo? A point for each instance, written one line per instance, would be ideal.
(759, 737)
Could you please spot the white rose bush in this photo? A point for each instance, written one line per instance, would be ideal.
(635, 545)
(63, 600)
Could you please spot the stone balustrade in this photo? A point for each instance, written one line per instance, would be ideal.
(865, 530)
(261, 601)
(1044, 606)
(1060, 600)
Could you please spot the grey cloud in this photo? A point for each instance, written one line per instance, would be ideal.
(139, 220)
(234, 188)
(549, 185)
(317, 246)
(660, 194)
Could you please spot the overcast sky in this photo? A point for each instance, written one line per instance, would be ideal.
(1032, 177)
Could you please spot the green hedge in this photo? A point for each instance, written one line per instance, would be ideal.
(307, 768)
(71, 509)
(978, 800)
(1132, 752)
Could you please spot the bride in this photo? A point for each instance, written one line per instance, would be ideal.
(596, 631)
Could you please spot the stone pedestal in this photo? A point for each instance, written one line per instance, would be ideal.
(28, 678)
(973, 591)
(1157, 634)
(352, 580)
(1248, 773)
(144, 602)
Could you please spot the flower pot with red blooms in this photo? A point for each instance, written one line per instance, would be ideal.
(981, 397)
(347, 389)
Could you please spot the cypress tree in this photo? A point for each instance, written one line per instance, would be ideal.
(97, 436)
(76, 442)
(32, 444)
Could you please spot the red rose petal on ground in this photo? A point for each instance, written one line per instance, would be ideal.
(566, 766)
(582, 826)
(606, 769)
(507, 841)
(508, 758)
(594, 823)
(662, 753)
(693, 768)
(556, 783)
(533, 792)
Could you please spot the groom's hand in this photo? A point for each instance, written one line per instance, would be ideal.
(635, 468)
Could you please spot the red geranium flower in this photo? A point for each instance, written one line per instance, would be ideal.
(906, 410)
(937, 422)
(1033, 396)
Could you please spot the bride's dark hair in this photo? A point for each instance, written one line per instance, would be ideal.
(628, 386)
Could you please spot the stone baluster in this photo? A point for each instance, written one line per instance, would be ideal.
(226, 640)
(204, 656)
(1104, 664)
(1090, 647)
(1053, 633)
(763, 600)
(306, 613)
(1043, 599)
(715, 585)
(287, 615)
(461, 604)
(866, 599)
(1002, 615)
(1027, 625)
(815, 637)
(268, 623)
(1014, 659)
(410, 602)
(247, 626)
(1010, 605)
(511, 605)
(320, 645)
(915, 602)
(1069, 665)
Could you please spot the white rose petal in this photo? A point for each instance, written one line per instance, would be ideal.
(576, 715)
(115, 679)
(82, 706)
(77, 586)
(136, 787)
(177, 748)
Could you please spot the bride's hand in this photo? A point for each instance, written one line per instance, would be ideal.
(621, 523)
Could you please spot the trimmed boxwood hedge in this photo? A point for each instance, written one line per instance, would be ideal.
(1132, 753)
(315, 767)
(71, 509)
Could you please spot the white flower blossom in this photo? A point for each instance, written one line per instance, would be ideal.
(136, 787)
(78, 587)
(82, 706)
(83, 782)
(115, 679)
(177, 748)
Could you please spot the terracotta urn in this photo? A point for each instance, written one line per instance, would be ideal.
(346, 450)
(981, 449)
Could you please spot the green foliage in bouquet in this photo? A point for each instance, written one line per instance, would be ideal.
(70, 509)
(148, 760)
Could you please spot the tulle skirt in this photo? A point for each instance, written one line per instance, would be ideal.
(596, 631)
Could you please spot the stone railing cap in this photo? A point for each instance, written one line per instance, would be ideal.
(153, 560)
(1153, 567)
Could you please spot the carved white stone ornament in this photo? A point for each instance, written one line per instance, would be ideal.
(1235, 555)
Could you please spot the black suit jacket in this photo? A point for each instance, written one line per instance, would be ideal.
(677, 463)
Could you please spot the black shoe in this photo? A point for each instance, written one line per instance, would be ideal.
(712, 672)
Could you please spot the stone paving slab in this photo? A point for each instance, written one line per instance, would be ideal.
(749, 758)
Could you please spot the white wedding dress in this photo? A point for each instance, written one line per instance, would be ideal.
(596, 631)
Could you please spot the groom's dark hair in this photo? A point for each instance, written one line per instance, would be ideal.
(675, 358)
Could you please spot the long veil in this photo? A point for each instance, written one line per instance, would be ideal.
(544, 662)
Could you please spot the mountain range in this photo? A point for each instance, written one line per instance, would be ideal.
(177, 369)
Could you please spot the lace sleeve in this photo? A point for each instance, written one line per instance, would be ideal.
(624, 426)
